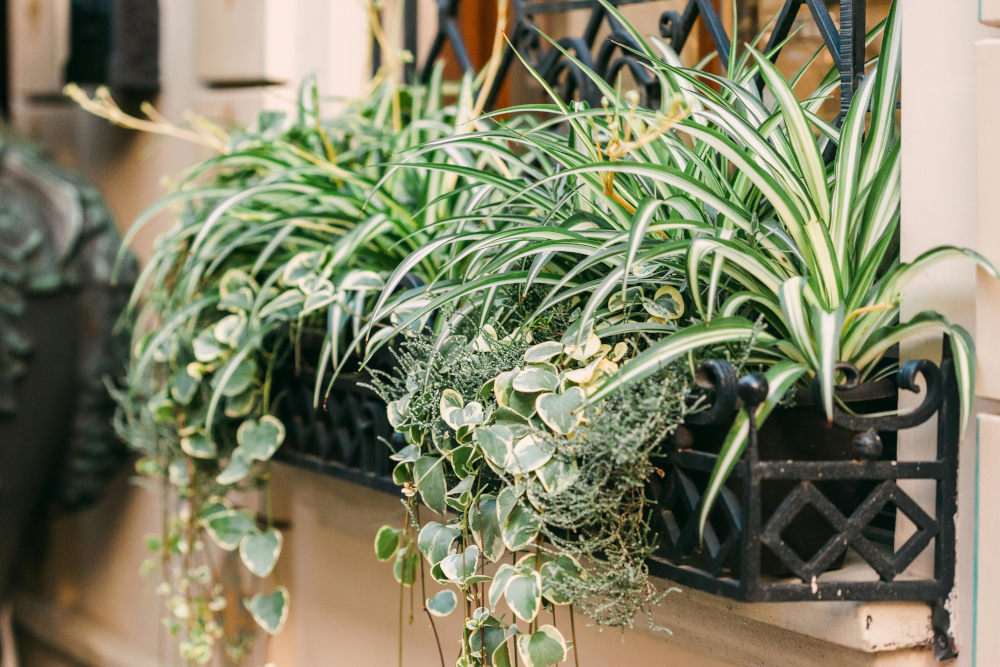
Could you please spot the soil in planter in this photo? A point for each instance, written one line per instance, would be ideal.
(801, 433)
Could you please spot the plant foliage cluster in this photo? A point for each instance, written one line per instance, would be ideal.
(551, 275)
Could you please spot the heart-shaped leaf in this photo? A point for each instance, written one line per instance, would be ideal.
(434, 541)
(524, 593)
(206, 347)
(406, 567)
(584, 351)
(556, 574)
(542, 648)
(183, 387)
(503, 385)
(228, 528)
(500, 579)
(386, 542)
(537, 378)
(236, 469)
(459, 567)
(667, 303)
(428, 473)
(229, 330)
(562, 412)
(543, 351)
(556, 476)
(199, 446)
(485, 527)
(241, 379)
(443, 603)
(518, 526)
(270, 611)
(260, 439)
(259, 551)
(530, 453)
(496, 442)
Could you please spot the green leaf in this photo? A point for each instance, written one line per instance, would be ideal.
(236, 469)
(500, 579)
(428, 473)
(503, 385)
(542, 648)
(269, 611)
(518, 527)
(459, 567)
(562, 412)
(524, 594)
(241, 379)
(496, 442)
(536, 378)
(443, 603)
(530, 453)
(435, 540)
(199, 446)
(406, 567)
(228, 528)
(206, 347)
(556, 476)
(485, 527)
(260, 439)
(543, 351)
(386, 542)
(260, 551)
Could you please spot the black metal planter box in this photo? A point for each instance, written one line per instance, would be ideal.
(751, 549)
(748, 531)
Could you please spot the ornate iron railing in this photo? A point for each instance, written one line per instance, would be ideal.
(745, 553)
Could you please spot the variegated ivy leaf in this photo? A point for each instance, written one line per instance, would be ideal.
(237, 301)
(562, 412)
(242, 404)
(496, 443)
(542, 648)
(241, 379)
(259, 551)
(227, 528)
(199, 446)
(260, 439)
(556, 476)
(236, 469)
(530, 453)
(183, 387)
(177, 473)
(523, 403)
(485, 527)
(518, 526)
(538, 377)
(301, 267)
(456, 568)
(517, 424)
(543, 351)
(458, 416)
(443, 603)
(269, 611)
(235, 279)
(428, 473)
(206, 348)
(406, 567)
(386, 542)
(503, 385)
(584, 351)
(396, 411)
(229, 330)
(524, 593)
(667, 303)
(586, 374)
(407, 454)
(500, 579)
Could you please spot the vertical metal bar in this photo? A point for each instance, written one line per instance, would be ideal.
(752, 526)
(4, 62)
(946, 501)
(713, 24)
(410, 33)
(852, 50)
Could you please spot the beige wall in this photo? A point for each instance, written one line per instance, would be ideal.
(345, 603)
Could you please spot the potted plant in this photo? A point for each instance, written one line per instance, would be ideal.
(717, 220)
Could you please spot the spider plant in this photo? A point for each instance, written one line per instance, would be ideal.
(725, 194)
